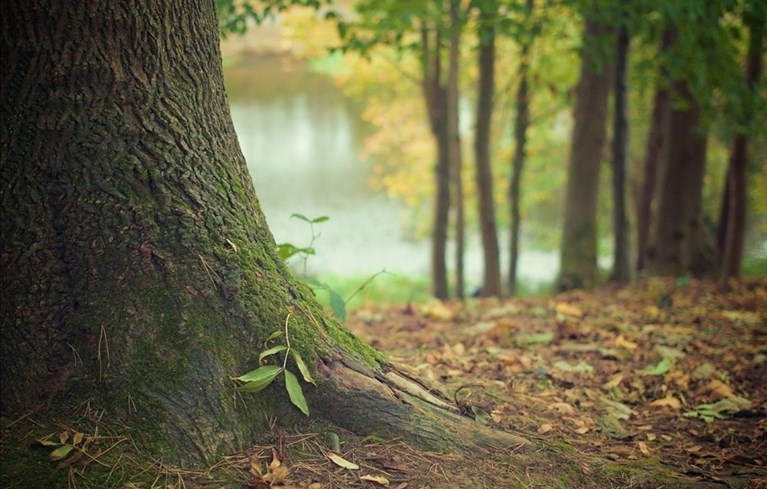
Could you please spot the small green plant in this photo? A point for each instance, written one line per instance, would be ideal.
(260, 378)
(289, 250)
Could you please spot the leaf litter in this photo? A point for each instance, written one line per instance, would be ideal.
(654, 369)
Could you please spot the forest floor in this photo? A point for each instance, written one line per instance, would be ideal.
(673, 371)
(658, 384)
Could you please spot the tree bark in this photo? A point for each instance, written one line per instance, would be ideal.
(653, 155)
(521, 123)
(737, 175)
(579, 238)
(491, 285)
(678, 237)
(138, 271)
(620, 271)
(456, 160)
(435, 94)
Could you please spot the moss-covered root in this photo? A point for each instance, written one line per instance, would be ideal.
(390, 405)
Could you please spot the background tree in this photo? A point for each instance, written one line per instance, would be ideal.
(521, 124)
(138, 271)
(735, 202)
(578, 249)
(620, 272)
(486, 32)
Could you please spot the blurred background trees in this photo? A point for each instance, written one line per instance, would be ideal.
(648, 160)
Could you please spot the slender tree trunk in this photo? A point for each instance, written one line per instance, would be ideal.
(137, 270)
(653, 155)
(491, 285)
(521, 124)
(678, 233)
(456, 163)
(737, 184)
(435, 94)
(621, 272)
(579, 238)
(655, 142)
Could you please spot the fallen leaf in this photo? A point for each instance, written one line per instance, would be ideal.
(719, 389)
(568, 310)
(377, 479)
(614, 381)
(342, 462)
(668, 401)
(544, 428)
(624, 343)
(643, 448)
(562, 408)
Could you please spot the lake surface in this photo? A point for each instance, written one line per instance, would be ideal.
(302, 139)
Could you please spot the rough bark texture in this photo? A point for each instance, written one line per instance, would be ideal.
(621, 270)
(521, 123)
(435, 94)
(678, 237)
(138, 273)
(737, 185)
(579, 239)
(491, 284)
(456, 160)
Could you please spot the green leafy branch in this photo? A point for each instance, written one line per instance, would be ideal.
(260, 378)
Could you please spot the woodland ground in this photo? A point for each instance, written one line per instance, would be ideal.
(656, 384)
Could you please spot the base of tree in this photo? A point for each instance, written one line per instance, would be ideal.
(105, 456)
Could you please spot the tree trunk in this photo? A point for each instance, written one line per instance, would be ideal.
(456, 163)
(620, 272)
(491, 285)
(579, 238)
(138, 272)
(678, 232)
(737, 185)
(435, 94)
(653, 155)
(521, 123)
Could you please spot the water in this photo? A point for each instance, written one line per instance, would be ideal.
(302, 140)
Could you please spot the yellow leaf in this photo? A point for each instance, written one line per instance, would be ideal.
(624, 343)
(668, 401)
(342, 462)
(77, 438)
(377, 479)
(720, 389)
(614, 381)
(63, 437)
(437, 310)
(643, 448)
(566, 309)
(545, 428)
(562, 408)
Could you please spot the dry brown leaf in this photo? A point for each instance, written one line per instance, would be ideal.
(668, 401)
(624, 343)
(562, 408)
(719, 389)
(545, 428)
(342, 462)
(377, 479)
(568, 310)
(644, 448)
(614, 381)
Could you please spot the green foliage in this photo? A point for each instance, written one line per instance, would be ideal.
(260, 378)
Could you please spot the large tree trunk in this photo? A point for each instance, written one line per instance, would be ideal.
(435, 94)
(678, 238)
(456, 160)
(138, 272)
(491, 284)
(736, 195)
(621, 271)
(579, 238)
(521, 123)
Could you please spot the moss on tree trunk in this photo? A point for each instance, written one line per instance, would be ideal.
(138, 271)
